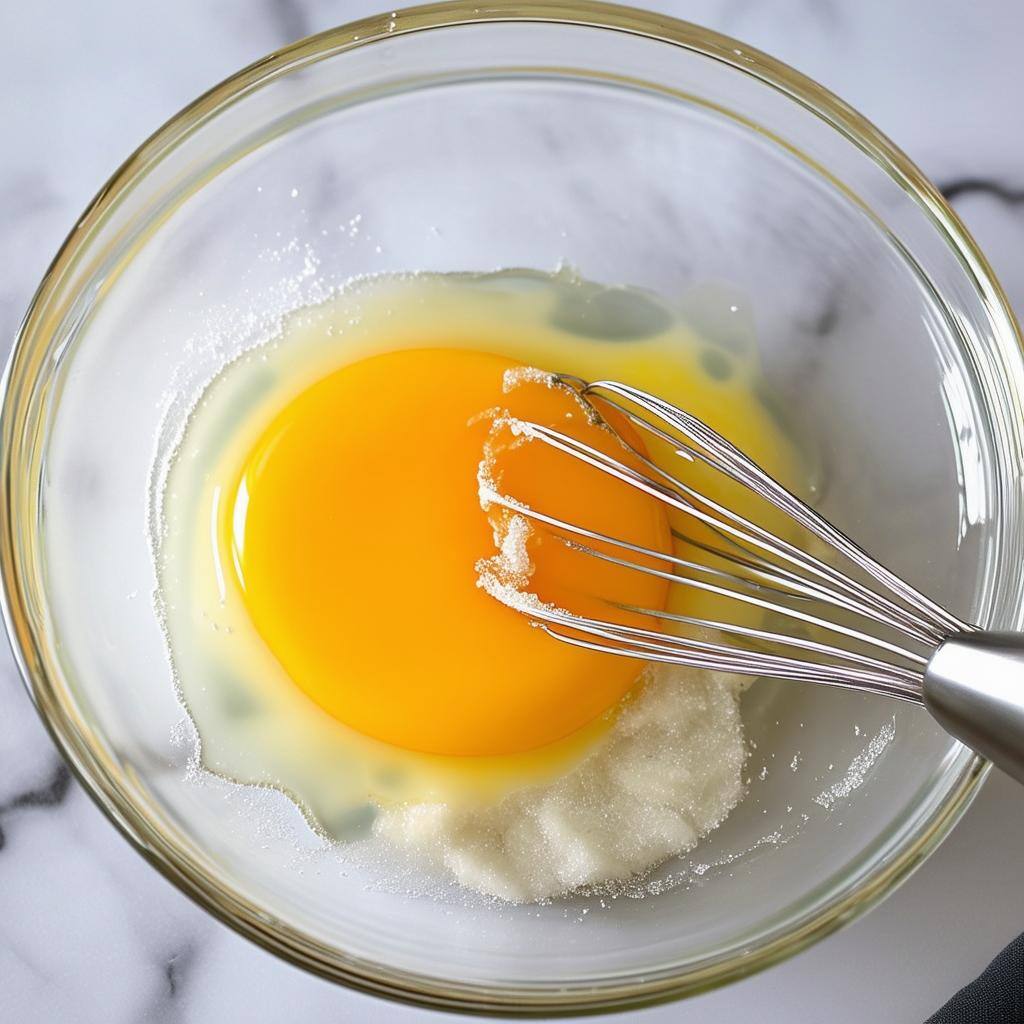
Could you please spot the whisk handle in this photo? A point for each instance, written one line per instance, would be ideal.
(974, 689)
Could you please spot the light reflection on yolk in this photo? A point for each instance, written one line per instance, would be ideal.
(356, 532)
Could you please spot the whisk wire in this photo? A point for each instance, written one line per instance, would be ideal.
(902, 618)
(728, 459)
(782, 639)
(751, 565)
(764, 605)
(745, 531)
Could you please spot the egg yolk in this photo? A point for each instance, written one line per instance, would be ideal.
(356, 528)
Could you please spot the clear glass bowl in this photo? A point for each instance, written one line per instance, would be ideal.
(471, 137)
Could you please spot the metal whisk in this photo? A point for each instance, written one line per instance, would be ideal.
(863, 628)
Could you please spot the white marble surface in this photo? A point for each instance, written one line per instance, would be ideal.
(88, 933)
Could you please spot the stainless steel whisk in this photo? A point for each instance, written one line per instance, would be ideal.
(877, 633)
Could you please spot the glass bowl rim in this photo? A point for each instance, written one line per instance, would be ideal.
(95, 771)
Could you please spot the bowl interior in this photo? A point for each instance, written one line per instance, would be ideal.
(636, 161)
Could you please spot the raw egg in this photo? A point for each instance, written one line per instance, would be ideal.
(322, 531)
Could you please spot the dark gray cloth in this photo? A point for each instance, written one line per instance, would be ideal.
(995, 997)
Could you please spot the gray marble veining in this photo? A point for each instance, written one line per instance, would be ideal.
(88, 932)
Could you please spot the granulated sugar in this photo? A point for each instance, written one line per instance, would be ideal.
(668, 772)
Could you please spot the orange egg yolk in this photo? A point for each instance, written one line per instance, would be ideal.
(356, 533)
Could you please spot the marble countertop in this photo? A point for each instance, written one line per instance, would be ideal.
(88, 932)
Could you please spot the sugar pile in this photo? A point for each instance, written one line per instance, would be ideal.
(667, 772)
